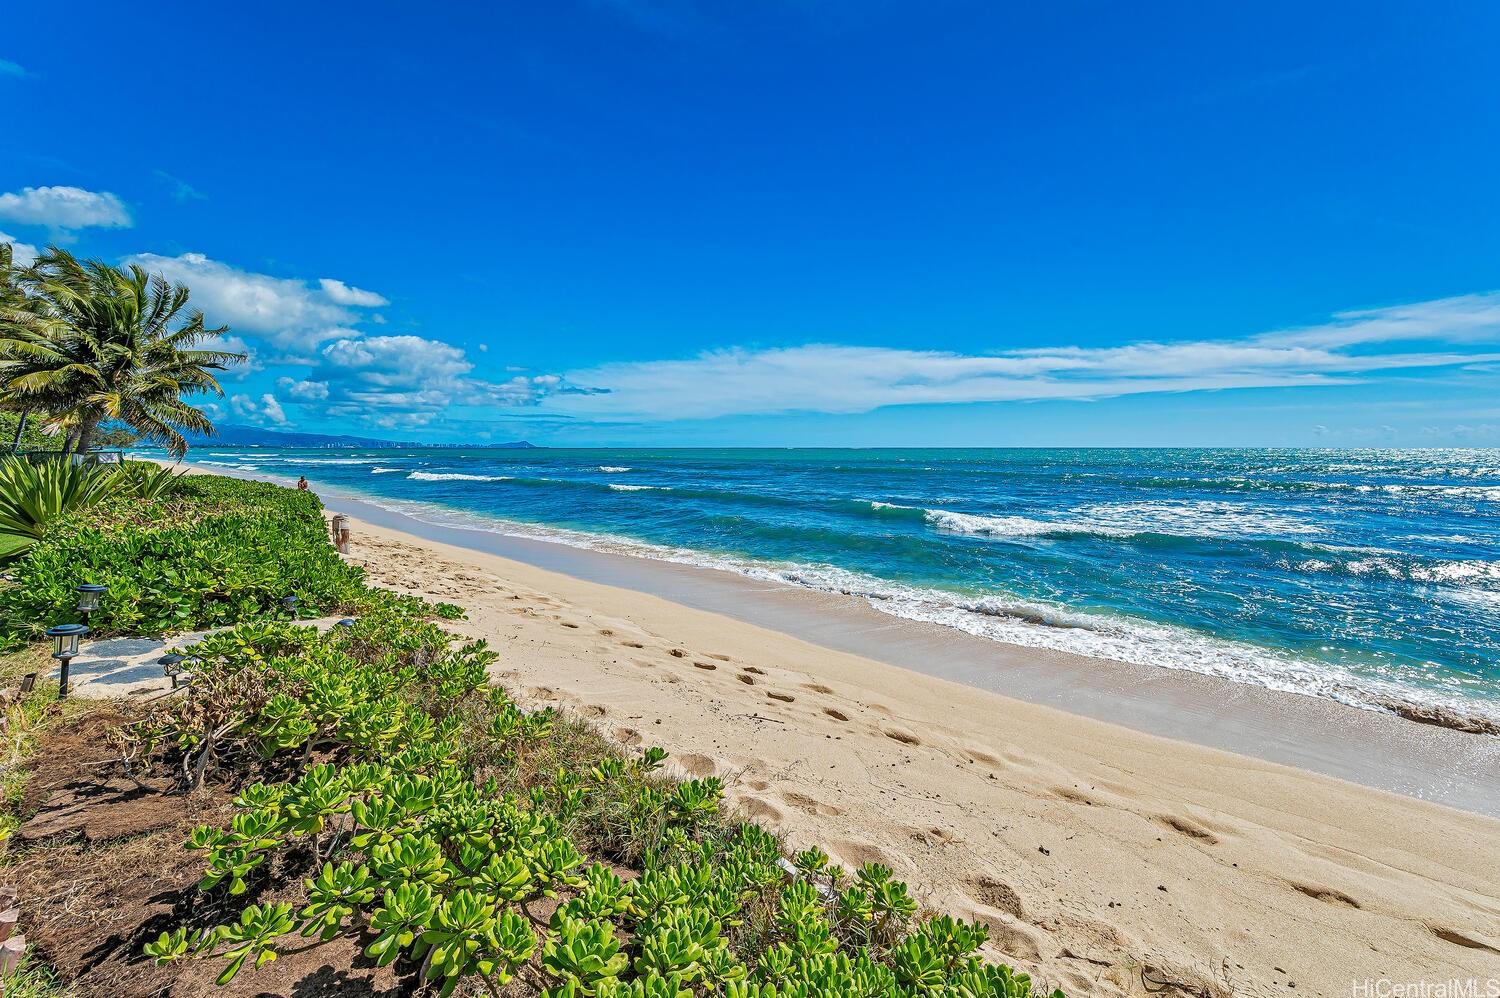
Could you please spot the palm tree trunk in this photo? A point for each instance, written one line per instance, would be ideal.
(15, 444)
(85, 436)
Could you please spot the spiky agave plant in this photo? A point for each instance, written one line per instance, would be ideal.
(150, 481)
(33, 495)
(98, 344)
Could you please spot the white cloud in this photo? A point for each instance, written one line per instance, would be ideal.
(8, 68)
(290, 313)
(303, 391)
(65, 208)
(850, 379)
(1463, 319)
(21, 254)
(267, 411)
(398, 361)
(342, 294)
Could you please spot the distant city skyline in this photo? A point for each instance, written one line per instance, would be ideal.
(663, 222)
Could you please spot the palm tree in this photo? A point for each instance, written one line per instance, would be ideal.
(15, 308)
(101, 348)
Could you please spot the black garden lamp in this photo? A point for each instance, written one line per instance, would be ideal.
(65, 639)
(171, 667)
(289, 604)
(89, 595)
(346, 622)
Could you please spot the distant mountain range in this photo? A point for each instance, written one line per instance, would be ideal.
(254, 436)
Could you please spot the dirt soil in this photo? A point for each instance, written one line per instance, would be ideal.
(100, 870)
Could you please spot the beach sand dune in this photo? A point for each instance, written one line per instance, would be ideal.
(1104, 860)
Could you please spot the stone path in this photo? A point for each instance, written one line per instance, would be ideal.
(115, 668)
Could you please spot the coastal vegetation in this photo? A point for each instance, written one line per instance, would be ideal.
(366, 792)
(85, 346)
(361, 793)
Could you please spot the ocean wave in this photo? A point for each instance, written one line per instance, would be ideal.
(1467, 572)
(454, 476)
(230, 464)
(1133, 519)
(1027, 623)
(994, 526)
(639, 488)
(385, 471)
(1482, 493)
(328, 460)
(610, 469)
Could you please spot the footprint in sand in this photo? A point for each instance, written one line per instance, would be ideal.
(1325, 894)
(705, 665)
(904, 737)
(997, 894)
(837, 715)
(754, 671)
(606, 632)
(783, 697)
(1468, 940)
(1018, 941)
(747, 680)
(1193, 830)
(721, 658)
(817, 687)
(758, 810)
(594, 710)
(697, 765)
(678, 653)
(627, 736)
(1073, 795)
(807, 804)
(853, 854)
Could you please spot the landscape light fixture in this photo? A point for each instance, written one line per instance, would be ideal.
(172, 668)
(346, 622)
(89, 595)
(289, 604)
(65, 639)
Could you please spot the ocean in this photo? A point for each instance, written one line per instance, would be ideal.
(1368, 576)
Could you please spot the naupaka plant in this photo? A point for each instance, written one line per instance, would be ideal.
(454, 835)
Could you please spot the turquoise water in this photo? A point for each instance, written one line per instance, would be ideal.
(1360, 575)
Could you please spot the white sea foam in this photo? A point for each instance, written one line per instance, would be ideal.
(1015, 621)
(1204, 518)
(1461, 572)
(610, 469)
(385, 471)
(454, 476)
(1185, 519)
(329, 460)
(230, 464)
(990, 526)
(640, 488)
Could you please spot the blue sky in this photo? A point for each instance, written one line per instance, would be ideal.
(851, 222)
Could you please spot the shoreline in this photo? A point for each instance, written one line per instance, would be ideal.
(1384, 751)
(1102, 860)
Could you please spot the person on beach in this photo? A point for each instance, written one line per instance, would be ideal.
(301, 483)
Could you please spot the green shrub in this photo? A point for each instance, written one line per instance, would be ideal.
(32, 496)
(431, 824)
(204, 553)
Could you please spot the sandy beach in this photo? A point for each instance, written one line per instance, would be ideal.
(1104, 859)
